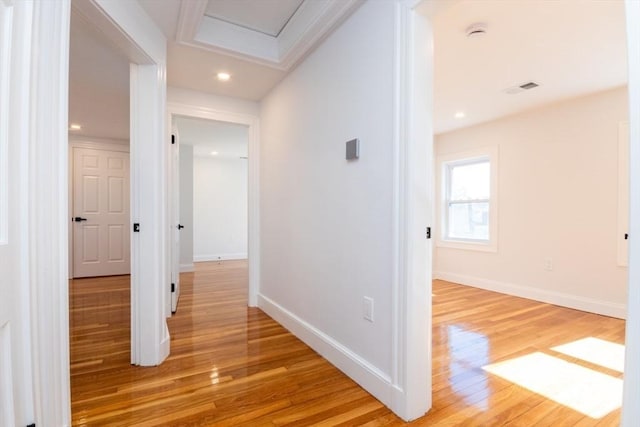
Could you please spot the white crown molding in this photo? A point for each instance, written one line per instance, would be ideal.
(191, 14)
(312, 22)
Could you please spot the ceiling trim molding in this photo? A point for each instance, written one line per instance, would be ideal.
(310, 24)
(234, 38)
(189, 19)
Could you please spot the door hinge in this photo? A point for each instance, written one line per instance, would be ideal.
(173, 139)
(32, 425)
(626, 236)
(136, 227)
(428, 232)
(173, 287)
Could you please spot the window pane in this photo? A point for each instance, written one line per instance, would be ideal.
(472, 181)
(469, 221)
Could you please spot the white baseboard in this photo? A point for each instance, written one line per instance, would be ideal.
(355, 367)
(219, 257)
(577, 302)
(187, 268)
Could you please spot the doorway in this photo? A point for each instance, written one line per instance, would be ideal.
(418, 15)
(99, 177)
(213, 190)
(129, 32)
(239, 159)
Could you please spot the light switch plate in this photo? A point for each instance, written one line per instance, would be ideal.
(353, 149)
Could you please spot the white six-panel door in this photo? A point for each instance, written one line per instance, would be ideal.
(100, 221)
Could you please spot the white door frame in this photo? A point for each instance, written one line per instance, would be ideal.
(41, 122)
(631, 393)
(39, 77)
(133, 32)
(185, 110)
(413, 213)
(414, 117)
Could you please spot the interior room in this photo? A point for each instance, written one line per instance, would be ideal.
(213, 191)
(557, 145)
(319, 212)
(551, 148)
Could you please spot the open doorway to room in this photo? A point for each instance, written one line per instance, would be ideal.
(99, 184)
(528, 117)
(213, 195)
(99, 203)
(229, 232)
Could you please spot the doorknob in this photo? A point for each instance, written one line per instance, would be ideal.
(79, 219)
(180, 226)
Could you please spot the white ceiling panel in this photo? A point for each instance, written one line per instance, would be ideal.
(265, 16)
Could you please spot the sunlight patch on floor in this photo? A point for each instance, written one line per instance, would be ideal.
(589, 392)
(596, 351)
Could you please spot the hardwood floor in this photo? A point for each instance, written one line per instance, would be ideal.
(233, 365)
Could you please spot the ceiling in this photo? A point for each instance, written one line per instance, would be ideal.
(256, 41)
(227, 140)
(98, 83)
(569, 47)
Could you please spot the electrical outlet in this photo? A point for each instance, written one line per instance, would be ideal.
(548, 264)
(367, 309)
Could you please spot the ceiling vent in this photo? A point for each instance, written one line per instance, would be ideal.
(521, 88)
(476, 30)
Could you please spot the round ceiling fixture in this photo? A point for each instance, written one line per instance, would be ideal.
(478, 29)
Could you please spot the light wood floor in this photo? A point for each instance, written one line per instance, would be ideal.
(233, 365)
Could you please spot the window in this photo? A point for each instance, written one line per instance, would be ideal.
(468, 193)
(468, 187)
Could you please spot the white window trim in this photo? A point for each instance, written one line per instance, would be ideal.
(442, 162)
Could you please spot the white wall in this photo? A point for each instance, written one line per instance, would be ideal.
(326, 224)
(209, 101)
(186, 207)
(557, 199)
(219, 208)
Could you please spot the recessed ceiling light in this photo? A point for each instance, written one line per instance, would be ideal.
(74, 126)
(214, 153)
(223, 77)
(459, 115)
